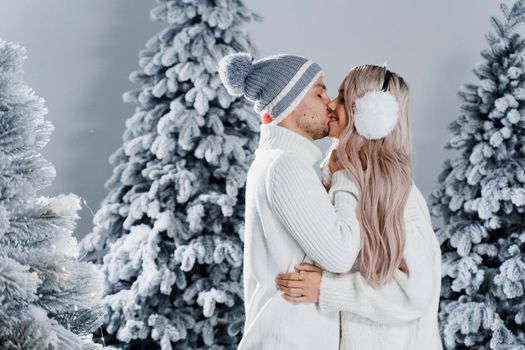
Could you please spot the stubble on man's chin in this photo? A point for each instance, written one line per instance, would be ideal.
(319, 133)
(325, 133)
(313, 128)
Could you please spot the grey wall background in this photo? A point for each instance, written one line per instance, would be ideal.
(81, 52)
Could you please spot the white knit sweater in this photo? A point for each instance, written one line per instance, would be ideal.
(289, 215)
(403, 313)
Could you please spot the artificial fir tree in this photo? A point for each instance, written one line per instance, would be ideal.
(48, 299)
(169, 234)
(481, 198)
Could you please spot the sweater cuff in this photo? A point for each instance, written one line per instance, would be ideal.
(331, 292)
(342, 182)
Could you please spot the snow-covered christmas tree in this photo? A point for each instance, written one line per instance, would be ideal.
(168, 236)
(481, 198)
(48, 299)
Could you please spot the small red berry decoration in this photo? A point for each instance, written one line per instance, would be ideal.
(267, 119)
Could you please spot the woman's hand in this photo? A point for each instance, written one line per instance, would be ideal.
(326, 176)
(306, 283)
(333, 162)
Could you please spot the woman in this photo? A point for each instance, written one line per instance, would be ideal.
(389, 300)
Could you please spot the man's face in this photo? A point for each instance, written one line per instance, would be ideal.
(312, 114)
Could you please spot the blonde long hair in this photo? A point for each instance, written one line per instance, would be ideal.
(381, 170)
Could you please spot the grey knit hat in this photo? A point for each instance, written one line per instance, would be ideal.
(276, 84)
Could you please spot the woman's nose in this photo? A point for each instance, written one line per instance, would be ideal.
(331, 105)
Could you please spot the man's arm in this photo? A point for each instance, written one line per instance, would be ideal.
(405, 298)
(329, 235)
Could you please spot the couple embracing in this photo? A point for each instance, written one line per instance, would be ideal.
(349, 260)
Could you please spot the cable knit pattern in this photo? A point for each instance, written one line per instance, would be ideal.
(290, 218)
(403, 313)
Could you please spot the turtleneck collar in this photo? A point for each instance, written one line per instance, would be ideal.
(276, 137)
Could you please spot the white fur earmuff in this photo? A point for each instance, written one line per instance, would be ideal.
(376, 114)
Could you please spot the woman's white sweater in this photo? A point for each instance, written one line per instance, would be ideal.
(403, 313)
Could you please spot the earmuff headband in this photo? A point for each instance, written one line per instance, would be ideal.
(387, 80)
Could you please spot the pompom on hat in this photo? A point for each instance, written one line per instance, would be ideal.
(376, 112)
(233, 71)
(275, 84)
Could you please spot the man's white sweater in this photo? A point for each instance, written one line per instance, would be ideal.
(290, 216)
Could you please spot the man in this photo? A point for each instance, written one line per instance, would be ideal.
(289, 215)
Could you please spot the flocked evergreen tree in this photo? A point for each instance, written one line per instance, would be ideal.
(48, 299)
(481, 198)
(169, 234)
